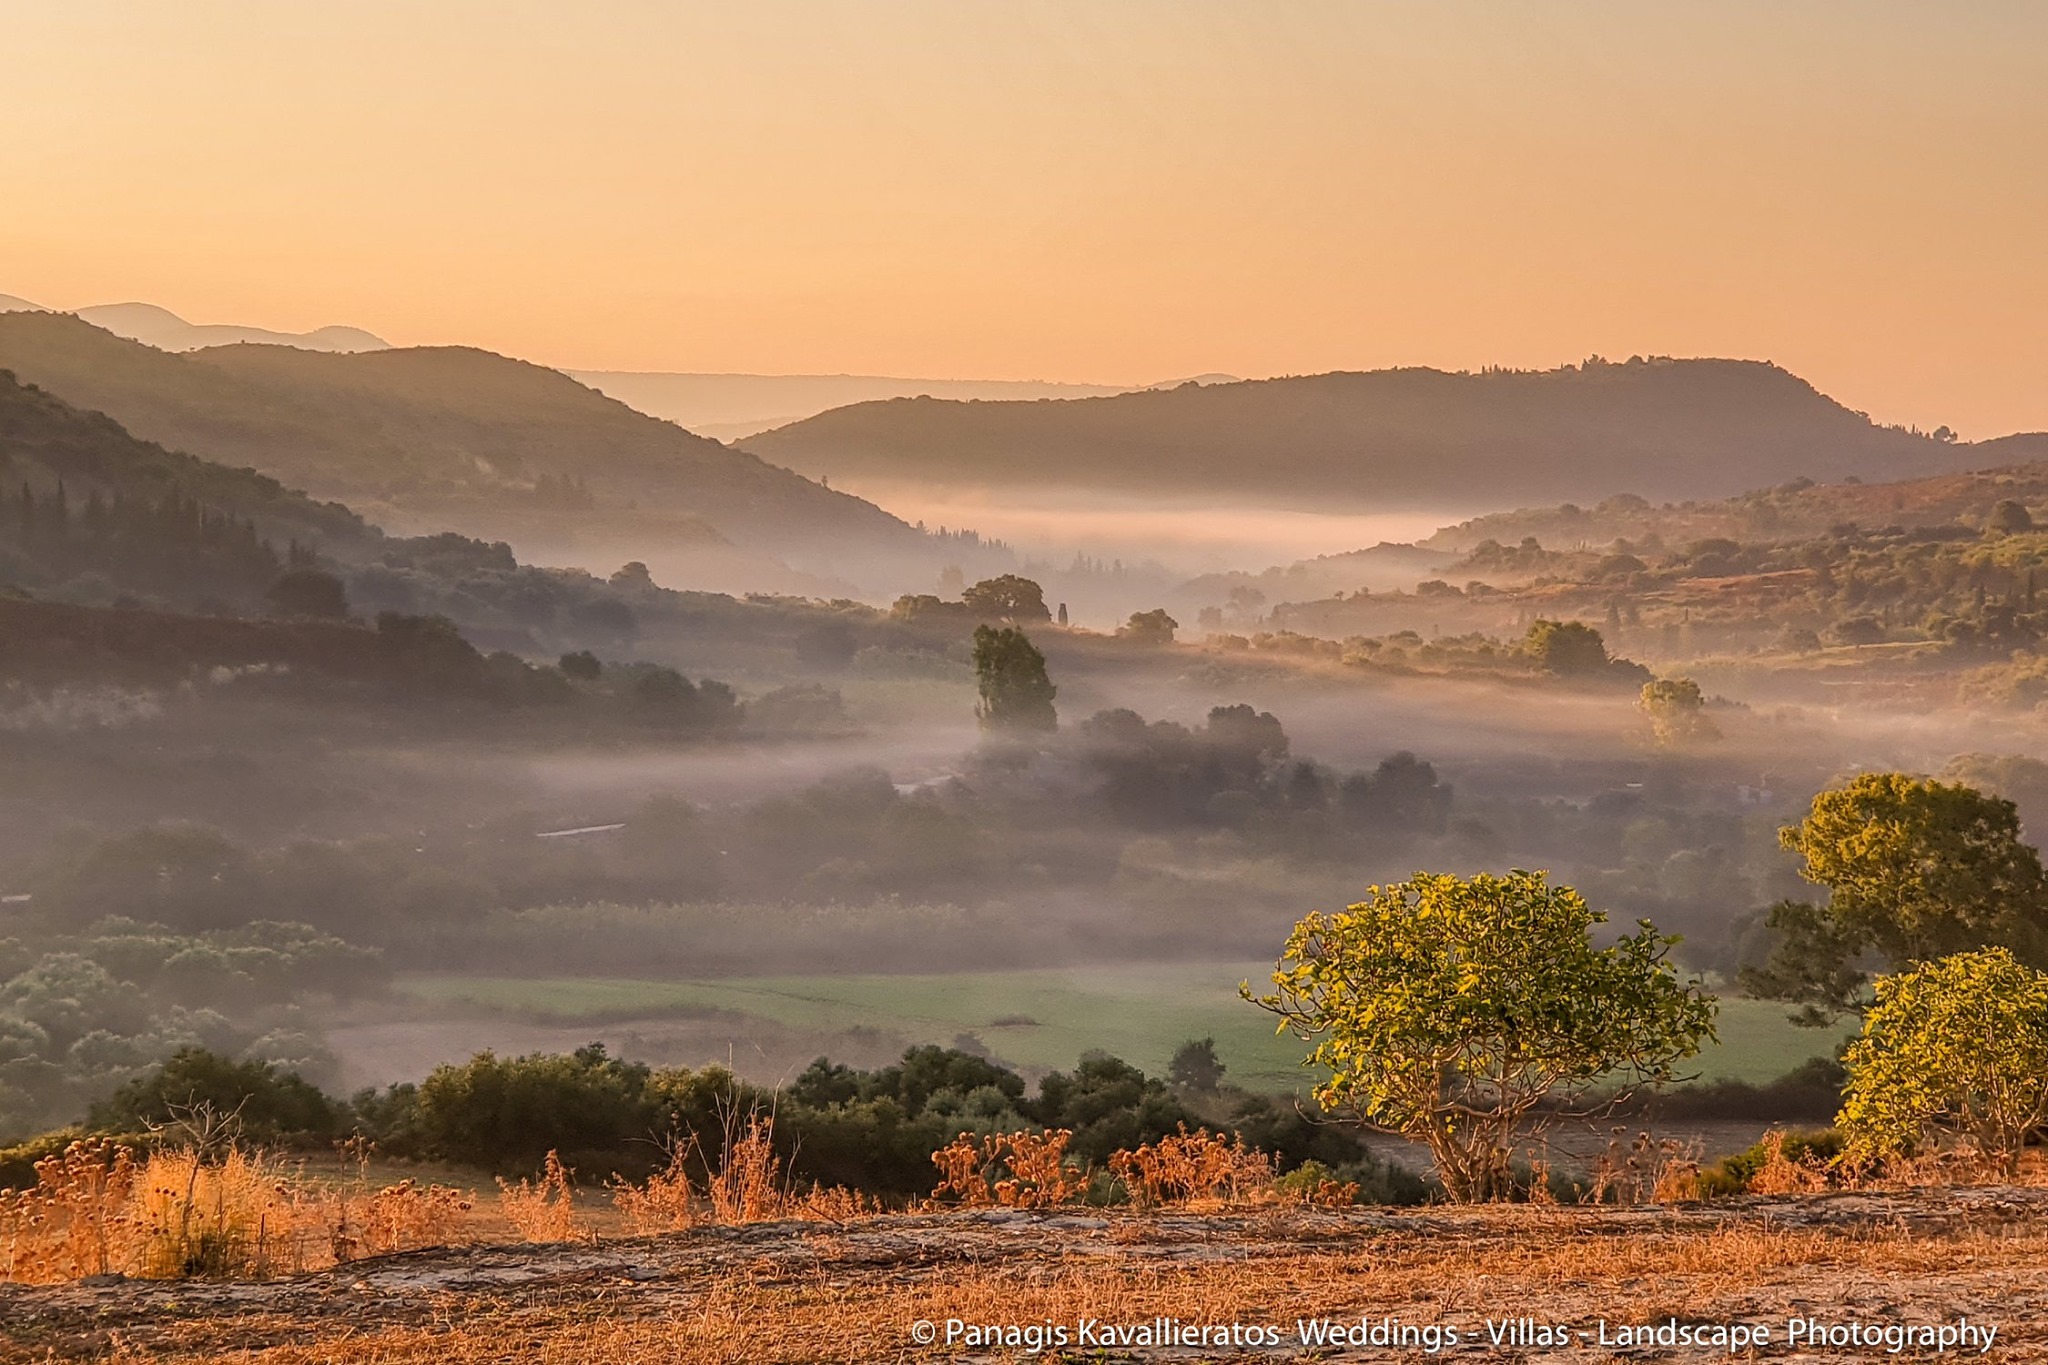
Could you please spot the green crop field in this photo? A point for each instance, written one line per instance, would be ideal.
(1047, 1018)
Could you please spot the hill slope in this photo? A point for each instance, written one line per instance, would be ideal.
(85, 497)
(1414, 437)
(443, 436)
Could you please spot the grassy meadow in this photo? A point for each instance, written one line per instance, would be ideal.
(1045, 1018)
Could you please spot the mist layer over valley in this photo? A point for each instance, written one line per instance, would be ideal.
(537, 720)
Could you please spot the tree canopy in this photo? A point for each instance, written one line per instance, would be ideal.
(1446, 1009)
(1016, 693)
(1916, 869)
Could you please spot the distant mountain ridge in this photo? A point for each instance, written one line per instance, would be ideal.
(447, 436)
(734, 406)
(1386, 438)
(165, 330)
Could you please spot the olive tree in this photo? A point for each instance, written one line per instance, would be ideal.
(1448, 1009)
(1676, 711)
(1915, 869)
(1955, 1047)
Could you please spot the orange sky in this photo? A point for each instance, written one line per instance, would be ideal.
(1116, 190)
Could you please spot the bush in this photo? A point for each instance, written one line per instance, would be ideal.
(1957, 1048)
(265, 1103)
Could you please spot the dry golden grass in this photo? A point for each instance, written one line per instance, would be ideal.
(184, 1214)
(543, 1210)
(739, 1317)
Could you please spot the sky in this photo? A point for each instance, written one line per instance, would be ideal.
(1113, 191)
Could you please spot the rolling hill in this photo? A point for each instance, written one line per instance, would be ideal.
(84, 497)
(438, 437)
(1415, 438)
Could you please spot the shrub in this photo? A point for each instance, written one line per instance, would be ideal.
(1956, 1048)
(542, 1210)
(267, 1104)
(1183, 1167)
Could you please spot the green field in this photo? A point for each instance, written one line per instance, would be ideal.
(1046, 1018)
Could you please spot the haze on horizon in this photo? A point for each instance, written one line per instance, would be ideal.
(1107, 194)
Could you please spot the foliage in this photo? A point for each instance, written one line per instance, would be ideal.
(1676, 711)
(1570, 648)
(267, 1104)
(1016, 694)
(1780, 1162)
(1153, 627)
(1916, 869)
(1195, 1066)
(1007, 597)
(1447, 1010)
(1955, 1047)
(308, 592)
(1020, 1170)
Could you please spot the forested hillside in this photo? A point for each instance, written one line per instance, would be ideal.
(1420, 437)
(85, 498)
(451, 435)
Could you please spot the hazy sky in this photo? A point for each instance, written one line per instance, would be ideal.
(1115, 190)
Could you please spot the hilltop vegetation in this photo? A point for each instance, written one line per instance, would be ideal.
(1416, 437)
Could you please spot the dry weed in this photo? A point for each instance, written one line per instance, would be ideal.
(1780, 1174)
(543, 1210)
(1645, 1170)
(1022, 1170)
(1184, 1167)
(667, 1202)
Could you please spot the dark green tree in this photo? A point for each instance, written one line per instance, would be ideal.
(1566, 648)
(1016, 694)
(1195, 1066)
(1153, 627)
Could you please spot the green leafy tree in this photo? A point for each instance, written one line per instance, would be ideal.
(1007, 597)
(1153, 627)
(1566, 648)
(1955, 1048)
(1016, 694)
(1447, 1010)
(1676, 710)
(1916, 869)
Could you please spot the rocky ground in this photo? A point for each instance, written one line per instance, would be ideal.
(1512, 1283)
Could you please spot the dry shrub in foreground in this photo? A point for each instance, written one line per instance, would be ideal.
(749, 1187)
(184, 1213)
(1647, 1170)
(1780, 1174)
(1184, 1167)
(543, 1210)
(1021, 1170)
